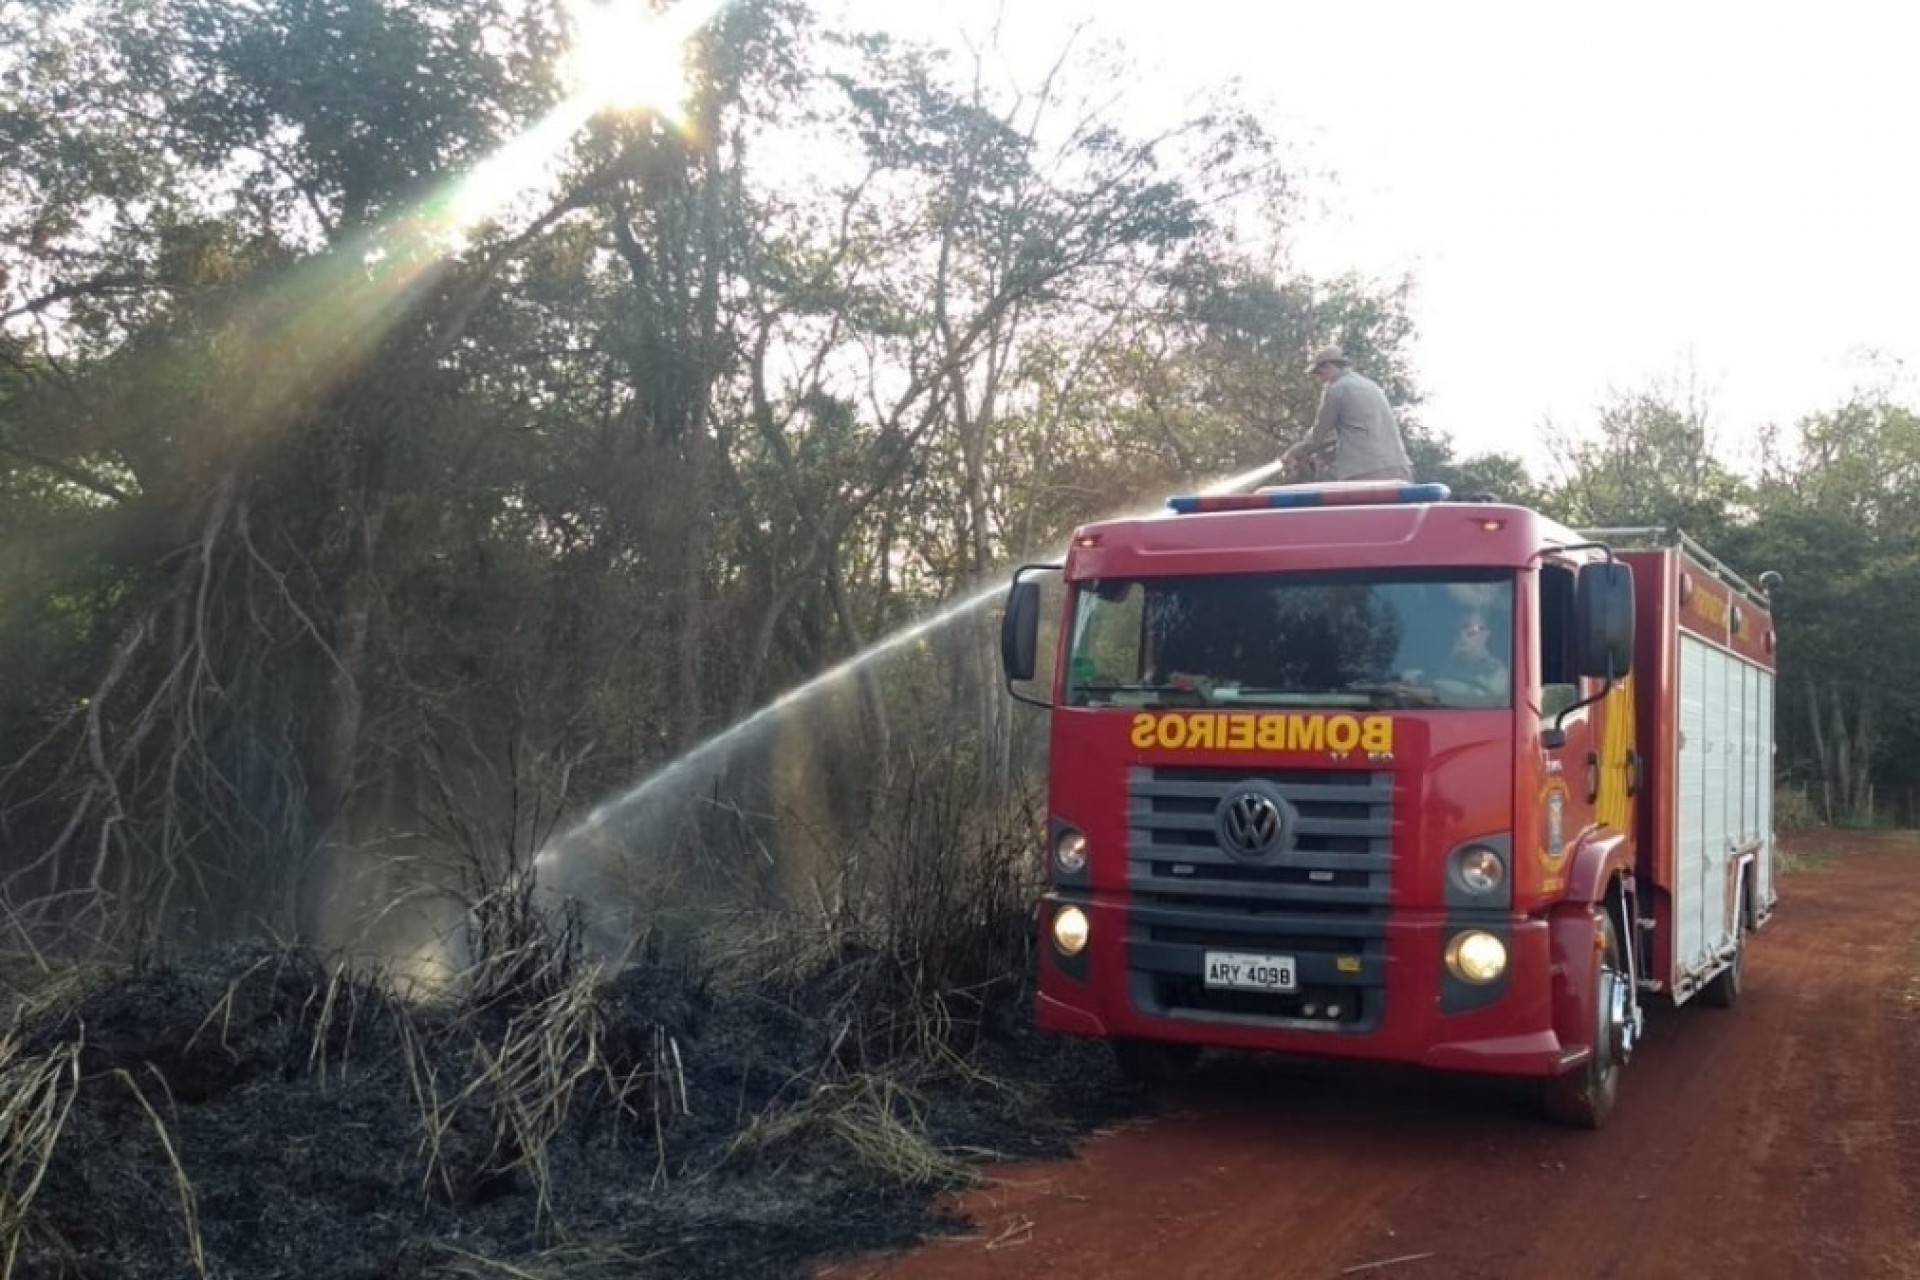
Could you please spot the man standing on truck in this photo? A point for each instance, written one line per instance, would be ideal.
(1354, 430)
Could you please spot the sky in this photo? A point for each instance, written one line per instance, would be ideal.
(1593, 200)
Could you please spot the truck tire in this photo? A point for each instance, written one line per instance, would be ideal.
(1154, 1062)
(1723, 992)
(1584, 1097)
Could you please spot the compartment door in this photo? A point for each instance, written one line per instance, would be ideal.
(1690, 809)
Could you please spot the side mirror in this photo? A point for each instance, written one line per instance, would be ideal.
(1020, 630)
(1603, 620)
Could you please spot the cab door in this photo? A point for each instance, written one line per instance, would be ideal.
(1571, 771)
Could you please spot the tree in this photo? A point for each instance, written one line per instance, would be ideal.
(345, 516)
(1649, 461)
(197, 196)
(1834, 519)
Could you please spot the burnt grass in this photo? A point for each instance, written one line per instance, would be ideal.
(254, 1113)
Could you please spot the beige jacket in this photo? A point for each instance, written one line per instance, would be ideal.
(1356, 425)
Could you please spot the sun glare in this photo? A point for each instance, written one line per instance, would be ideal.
(626, 56)
(623, 56)
(491, 186)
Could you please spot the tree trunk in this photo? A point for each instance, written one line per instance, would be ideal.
(1844, 744)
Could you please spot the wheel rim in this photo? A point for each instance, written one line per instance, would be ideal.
(1619, 1029)
(1621, 1033)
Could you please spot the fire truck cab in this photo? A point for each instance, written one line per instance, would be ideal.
(1360, 771)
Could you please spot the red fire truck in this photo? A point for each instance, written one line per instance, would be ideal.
(1360, 771)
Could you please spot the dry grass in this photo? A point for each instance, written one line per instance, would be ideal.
(595, 1261)
(1794, 807)
(1797, 858)
(903, 962)
(37, 1094)
(932, 928)
(525, 1083)
(33, 985)
(876, 1120)
(494, 1079)
(529, 1041)
(917, 946)
(182, 1185)
(519, 951)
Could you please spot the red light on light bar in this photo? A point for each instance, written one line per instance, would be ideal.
(1221, 502)
(1342, 494)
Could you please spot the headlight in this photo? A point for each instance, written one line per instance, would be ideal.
(1070, 853)
(1070, 930)
(1477, 956)
(1478, 869)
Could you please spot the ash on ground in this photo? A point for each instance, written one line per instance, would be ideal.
(256, 1114)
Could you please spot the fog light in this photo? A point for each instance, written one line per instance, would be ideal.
(1478, 869)
(1070, 930)
(1070, 853)
(1477, 956)
(1333, 1011)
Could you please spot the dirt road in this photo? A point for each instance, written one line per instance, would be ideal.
(1778, 1139)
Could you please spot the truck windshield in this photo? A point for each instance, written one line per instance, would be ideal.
(1404, 638)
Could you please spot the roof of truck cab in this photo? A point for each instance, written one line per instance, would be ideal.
(1385, 536)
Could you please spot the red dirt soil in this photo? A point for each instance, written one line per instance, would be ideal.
(1777, 1139)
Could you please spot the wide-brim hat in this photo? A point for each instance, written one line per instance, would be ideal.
(1328, 355)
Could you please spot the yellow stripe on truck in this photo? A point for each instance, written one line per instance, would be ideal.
(1614, 807)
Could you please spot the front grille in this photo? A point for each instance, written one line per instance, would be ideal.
(1323, 899)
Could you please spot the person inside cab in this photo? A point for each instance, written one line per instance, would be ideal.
(1471, 660)
(1462, 649)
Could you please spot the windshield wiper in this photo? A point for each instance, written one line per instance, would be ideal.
(1201, 692)
(1395, 693)
(1273, 695)
(1184, 694)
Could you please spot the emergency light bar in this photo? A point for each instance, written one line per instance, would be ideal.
(1350, 494)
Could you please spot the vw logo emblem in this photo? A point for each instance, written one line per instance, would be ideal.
(1254, 823)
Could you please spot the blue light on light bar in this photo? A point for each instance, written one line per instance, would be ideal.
(1314, 495)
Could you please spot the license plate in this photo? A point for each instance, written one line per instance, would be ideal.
(1240, 972)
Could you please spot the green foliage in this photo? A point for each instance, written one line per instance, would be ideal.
(1833, 517)
(1648, 463)
(1794, 808)
(1828, 511)
(1497, 475)
(332, 519)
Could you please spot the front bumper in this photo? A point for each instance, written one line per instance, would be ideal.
(1103, 995)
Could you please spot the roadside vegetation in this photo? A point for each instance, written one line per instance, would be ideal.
(262, 1110)
(382, 888)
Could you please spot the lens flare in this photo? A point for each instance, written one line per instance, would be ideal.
(524, 164)
(622, 56)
